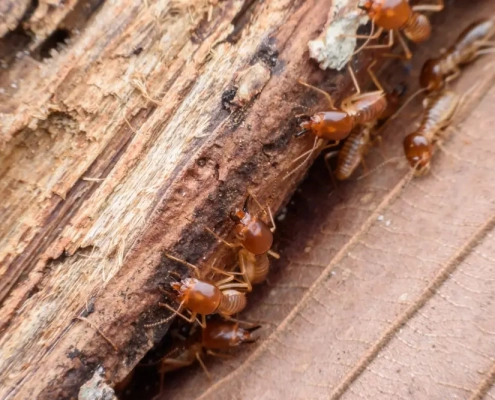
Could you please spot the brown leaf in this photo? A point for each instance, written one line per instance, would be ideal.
(384, 291)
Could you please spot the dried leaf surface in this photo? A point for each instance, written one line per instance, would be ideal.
(384, 291)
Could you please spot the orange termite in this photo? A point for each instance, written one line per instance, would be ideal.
(205, 298)
(336, 125)
(356, 109)
(440, 108)
(471, 43)
(255, 239)
(218, 335)
(396, 16)
(223, 335)
(360, 140)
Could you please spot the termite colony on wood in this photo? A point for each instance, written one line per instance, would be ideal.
(219, 299)
(359, 116)
(355, 122)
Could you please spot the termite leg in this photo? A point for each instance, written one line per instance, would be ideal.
(273, 254)
(373, 76)
(170, 361)
(219, 355)
(454, 76)
(222, 283)
(178, 313)
(407, 53)
(165, 292)
(373, 35)
(327, 95)
(233, 286)
(309, 153)
(228, 244)
(174, 361)
(430, 7)
(354, 80)
(198, 357)
(264, 209)
(488, 50)
(377, 140)
(327, 158)
(242, 266)
(402, 41)
(228, 273)
(183, 262)
(384, 46)
(253, 326)
(274, 227)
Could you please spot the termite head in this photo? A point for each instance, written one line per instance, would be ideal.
(329, 125)
(418, 150)
(253, 233)
(197, 295)
(244, 335)
(224, 334)
(431, 77)
(371, 7)
(387, 14)
(183, 288)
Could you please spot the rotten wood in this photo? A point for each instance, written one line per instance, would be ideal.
(126, 128)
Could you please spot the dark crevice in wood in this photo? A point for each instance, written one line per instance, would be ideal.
(241, 20)
(55, 41)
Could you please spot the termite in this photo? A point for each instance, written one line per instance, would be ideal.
(398, 16)
(440, 108)
(337, 124)
(218, 335)
(356, 109)
(201, 297)
(469, 45)
(255, 238)
(360, 140)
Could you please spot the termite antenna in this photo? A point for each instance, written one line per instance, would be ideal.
(411, 98)
(299, 134)
(315, 146)
(409, 177)
(193, 267)
(161, 322)
(379, 167)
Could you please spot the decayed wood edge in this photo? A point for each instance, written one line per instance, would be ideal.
(11, 12)
(202, 190)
